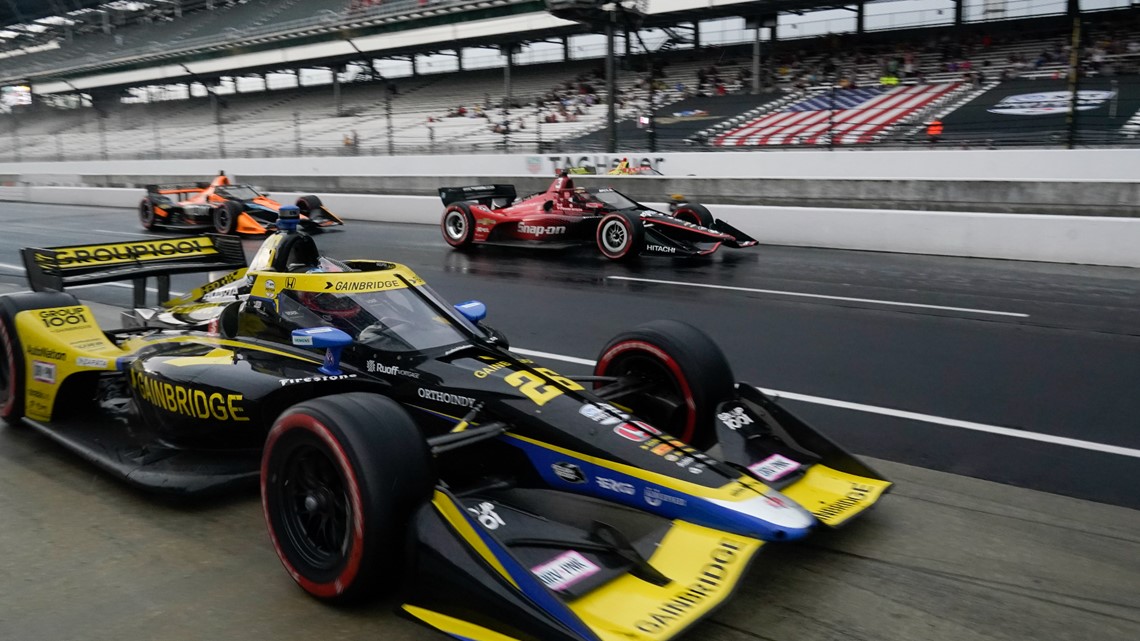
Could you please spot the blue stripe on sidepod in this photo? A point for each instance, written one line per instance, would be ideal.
(611, 485)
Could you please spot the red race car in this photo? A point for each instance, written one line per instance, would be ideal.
(565, 215)
(225, 207)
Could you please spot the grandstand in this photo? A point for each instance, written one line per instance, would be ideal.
(102, 82)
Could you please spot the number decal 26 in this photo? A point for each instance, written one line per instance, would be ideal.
(536, 389)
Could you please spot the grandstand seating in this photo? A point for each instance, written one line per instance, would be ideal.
(839, 116)
(801, 109)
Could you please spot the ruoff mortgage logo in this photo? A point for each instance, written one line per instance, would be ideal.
(1049, 102)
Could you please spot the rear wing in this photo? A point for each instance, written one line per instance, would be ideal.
(177, 188)
(488, 195)
(53, 268)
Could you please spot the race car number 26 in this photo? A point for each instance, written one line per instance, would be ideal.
(533, 388)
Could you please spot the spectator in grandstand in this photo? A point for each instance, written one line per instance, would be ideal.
(934, 131)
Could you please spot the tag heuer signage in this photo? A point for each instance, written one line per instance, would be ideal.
(1049, 102)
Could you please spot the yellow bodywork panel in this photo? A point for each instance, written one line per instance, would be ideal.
(455, 627)
(58, 342)
(834, 496)
(704, 565)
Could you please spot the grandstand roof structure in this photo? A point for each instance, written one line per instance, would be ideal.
(44, 22)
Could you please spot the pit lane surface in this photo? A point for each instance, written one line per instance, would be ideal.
(943, 557)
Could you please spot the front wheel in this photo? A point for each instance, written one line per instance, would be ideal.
(340, 478)
(458, 225)
(620, 235)
(12, 368)
(226, 217)
(676, 375)
(308, 204)
(694, 213)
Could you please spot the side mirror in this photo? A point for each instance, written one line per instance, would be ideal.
(331, 338)
(472, 310)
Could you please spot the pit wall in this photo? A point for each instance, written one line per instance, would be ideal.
(1079, 206)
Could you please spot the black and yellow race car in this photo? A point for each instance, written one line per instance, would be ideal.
(398, 442)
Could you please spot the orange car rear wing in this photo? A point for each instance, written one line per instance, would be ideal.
(177, 188)
(53, 268)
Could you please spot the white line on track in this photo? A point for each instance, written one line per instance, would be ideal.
(913, 416)
(779, 292)
(15, 268)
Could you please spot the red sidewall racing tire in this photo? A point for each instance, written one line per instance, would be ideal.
(620, 236)
(694, 213)
(458, 225)
(357, 460)
(691, 373)
(12, 364)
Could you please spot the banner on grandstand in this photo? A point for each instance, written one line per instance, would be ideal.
(1049, 102)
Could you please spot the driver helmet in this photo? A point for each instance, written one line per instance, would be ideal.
(330, 306)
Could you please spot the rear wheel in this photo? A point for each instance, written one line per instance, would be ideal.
(146, 214)
(12, 367)
(620, 236)
(694, 213)
(683, 376)
(340, 478)
(226, 217)
(458, 225)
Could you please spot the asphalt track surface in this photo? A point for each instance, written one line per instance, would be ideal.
(923, 361)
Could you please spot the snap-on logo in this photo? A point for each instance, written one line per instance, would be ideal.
(539, 230)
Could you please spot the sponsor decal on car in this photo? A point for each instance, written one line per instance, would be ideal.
(540, 230)
(735, 418)
(43, 372)
(365, 285)
(64, 318)
(270, 287)
(446, 397)
(710, 581)
(87, 361)
(1049, 102)
(487, 516)
(775, 467)
(615, 486)
(114, 253)
(656, 497)
(484, 372)
(568, 472)
(636, 431)
(315, 379)
(661, 249)
(187, 401)
(46, 352)
(603, 413)
(565, 570)
(856, 495)
(391, 370)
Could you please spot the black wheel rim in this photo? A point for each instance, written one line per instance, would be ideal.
(662, 405)
(146, 213)
(223, 224)
(316, 513)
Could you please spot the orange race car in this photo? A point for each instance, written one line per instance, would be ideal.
(225, 207)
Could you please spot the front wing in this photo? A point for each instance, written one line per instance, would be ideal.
(488, 569)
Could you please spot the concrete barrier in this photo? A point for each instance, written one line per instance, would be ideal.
(1089, 240)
